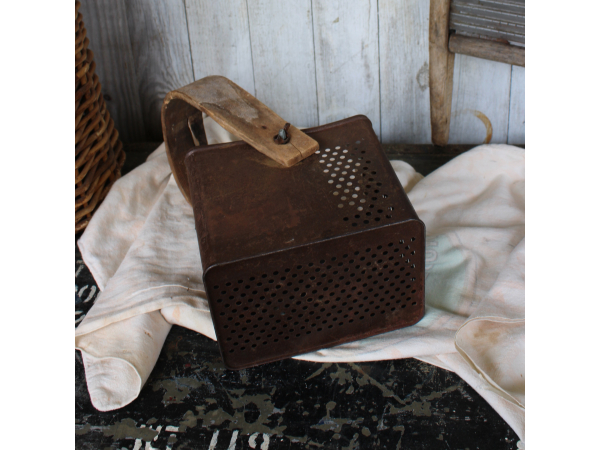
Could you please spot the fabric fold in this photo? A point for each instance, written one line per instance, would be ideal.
(119, 358)
(492, 340)
(122, 215)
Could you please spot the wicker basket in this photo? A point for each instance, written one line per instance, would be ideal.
(99, 154)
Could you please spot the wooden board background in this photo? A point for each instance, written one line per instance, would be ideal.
(311, 61)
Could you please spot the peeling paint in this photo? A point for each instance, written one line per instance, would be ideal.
(417, 408)
(366, 379)
(328, 423)
(341, 375)
(127, 429)
(319, 371)
(353, 443)
(189, 421)
(176, 389)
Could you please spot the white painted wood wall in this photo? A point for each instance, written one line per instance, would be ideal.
(311, 61)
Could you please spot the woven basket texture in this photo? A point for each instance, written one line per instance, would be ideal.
(99, 153)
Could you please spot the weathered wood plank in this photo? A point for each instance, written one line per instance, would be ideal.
(284, 58)
(220, 40)
(107, 29)
(486, 49)
(516, 123)
(161, 53)
(347, 60)
(441, 71)
(480, 101)
(404, 65)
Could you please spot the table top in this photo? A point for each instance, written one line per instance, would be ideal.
(191, 401)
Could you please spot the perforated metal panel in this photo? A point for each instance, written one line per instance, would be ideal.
(325, 252)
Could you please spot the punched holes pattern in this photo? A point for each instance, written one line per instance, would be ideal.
(315, 297)
(354, 182)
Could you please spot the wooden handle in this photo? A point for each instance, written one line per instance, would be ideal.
(236, 111)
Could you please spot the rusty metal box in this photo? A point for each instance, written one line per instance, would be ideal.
(296, 259)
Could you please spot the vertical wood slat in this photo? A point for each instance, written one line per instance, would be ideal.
(441, 71)
(480, 101)
(516, 122)
(161, 54)
(283, 57)
(347, 60)
(107, 30)
(220, 40)
(404, 62)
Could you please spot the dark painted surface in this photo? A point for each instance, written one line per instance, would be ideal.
(191, 401)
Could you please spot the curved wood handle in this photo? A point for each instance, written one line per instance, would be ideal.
(235, 110)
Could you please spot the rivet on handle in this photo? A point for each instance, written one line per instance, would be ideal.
(282, 137)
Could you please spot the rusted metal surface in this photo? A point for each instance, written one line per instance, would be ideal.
(296, 259)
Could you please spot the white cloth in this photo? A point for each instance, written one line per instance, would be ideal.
(141, 248)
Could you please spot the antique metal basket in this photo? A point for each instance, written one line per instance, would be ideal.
(326, 251)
